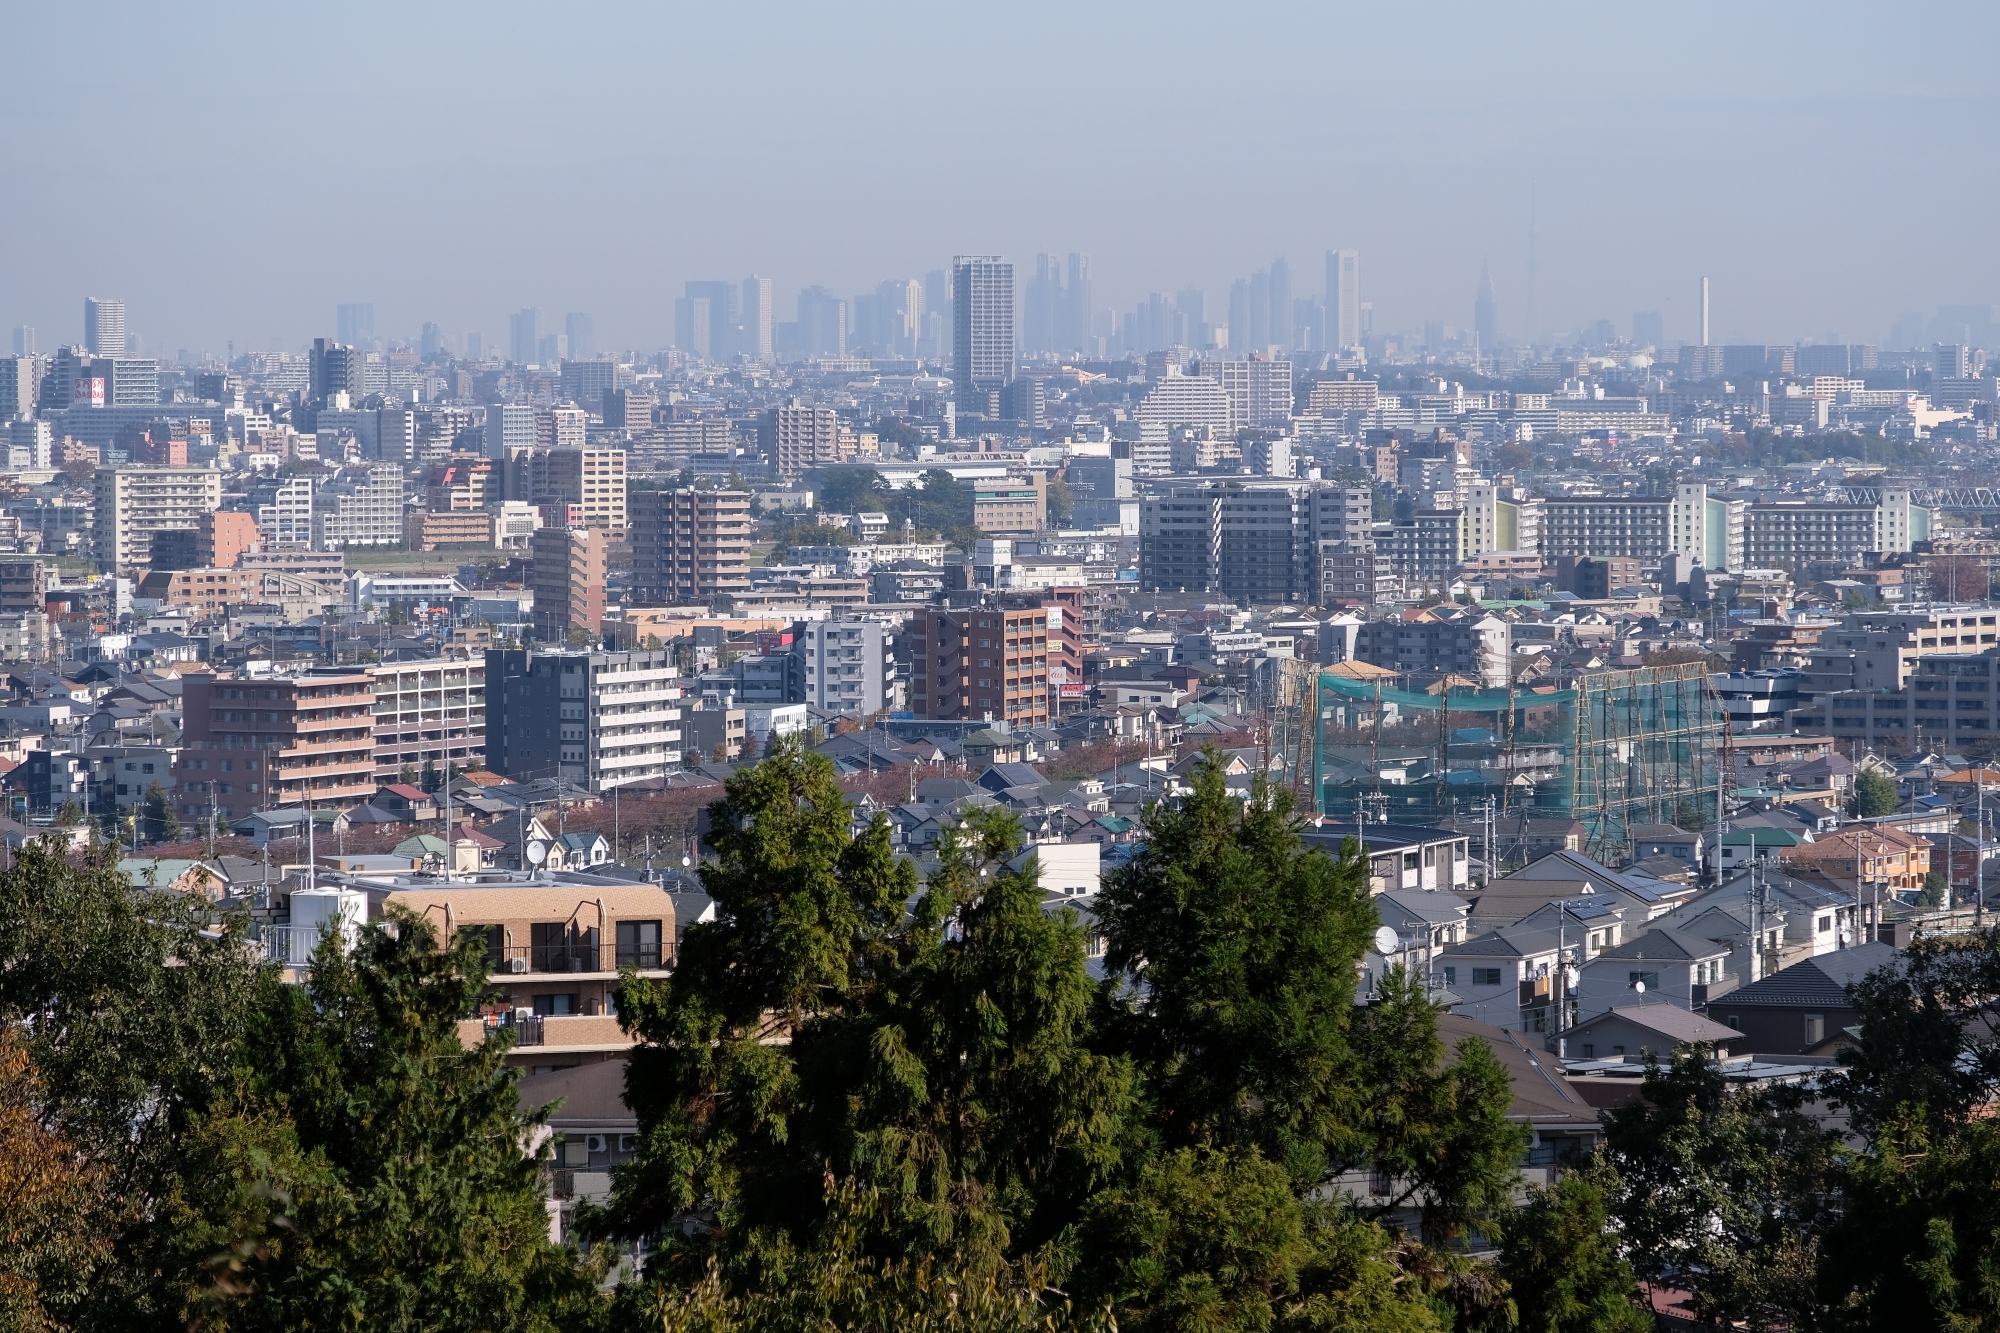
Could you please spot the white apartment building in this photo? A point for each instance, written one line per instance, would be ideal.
(136, 501)
(849, 666)
(1500, 518)
(1260, 392)
(509, 426)
(360, 508)
(286, 524)
(1185, 400)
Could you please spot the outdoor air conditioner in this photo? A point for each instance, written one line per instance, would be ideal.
(517, 965)
(523, 1015)
(628, 1143)
(596, 1142)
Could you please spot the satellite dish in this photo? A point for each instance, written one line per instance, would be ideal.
(686, 862)
(538, 852)
(1386, 940)
(1639, 986)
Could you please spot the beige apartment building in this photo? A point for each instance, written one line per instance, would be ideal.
(136, 501)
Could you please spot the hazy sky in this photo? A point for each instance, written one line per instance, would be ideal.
(232, 172)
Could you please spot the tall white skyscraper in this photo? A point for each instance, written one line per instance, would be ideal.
(759, 317)
(900, 302)
(1343, 296)
(103, 327)
(24, 341)
(982, 310)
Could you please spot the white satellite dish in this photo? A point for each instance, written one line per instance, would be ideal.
(1639, 986)
(1386, 940)
(538, 852)
(685, 862)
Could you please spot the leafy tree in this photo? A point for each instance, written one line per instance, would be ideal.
(847, 490)
(129, 1009)
(1061, 505)
(397, 1193)
(1874, 795)
(1561, 1263)
(71, 813)
(57, 1223)
(158, 822)
(1726, 1192)
(1936, 886)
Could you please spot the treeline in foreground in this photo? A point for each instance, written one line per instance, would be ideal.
(866, 1105)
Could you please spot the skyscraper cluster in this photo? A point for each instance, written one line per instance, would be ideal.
(1055, 306)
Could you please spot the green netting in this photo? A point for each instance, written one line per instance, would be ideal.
(1612, 749)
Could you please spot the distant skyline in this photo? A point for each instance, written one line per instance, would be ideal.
(1827, 167)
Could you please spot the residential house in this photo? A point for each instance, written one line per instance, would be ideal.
(1673, 966)
(1803, 1008)
(1511, 977)
(1645, 1028)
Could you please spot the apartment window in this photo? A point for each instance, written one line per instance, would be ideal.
(639, 944)
(1589, 1051)
(1736, 1022)
(554, 1005)
(1485, 976)
(1825, 924)
(1451, 976)
(1815, 1029)
(1651, 979)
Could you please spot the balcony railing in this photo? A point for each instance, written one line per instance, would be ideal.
(545, 959)
(527, 1028)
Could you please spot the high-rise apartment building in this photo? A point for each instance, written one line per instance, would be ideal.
(103, 327)
(569, 577)
(1260, 392)
(134, 502)
(20, 385)
(524, 336)
(354, 323)
(759, 318)
(598, 720)
(592, 478)
(987, 661)
(358, 507)
(1343, 296)
(250, 744)
(982, 296)
(689, 546)
(797, 439)
(24, 340)
(222, 537)
(582, 336)
(899, 305)
(430, 716)
(850, 665)
(335, 367)
(509, 426)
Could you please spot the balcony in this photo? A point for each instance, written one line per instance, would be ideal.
(605, 960)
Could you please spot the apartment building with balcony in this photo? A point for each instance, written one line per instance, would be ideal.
(689, 546)
(429, 716)
(135, 502)
(596, 719)
(556, 946)
(260, 743)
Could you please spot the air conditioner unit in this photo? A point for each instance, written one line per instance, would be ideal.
(628, 1143)
(523, 1015)
(596, 1142)
(517, 965)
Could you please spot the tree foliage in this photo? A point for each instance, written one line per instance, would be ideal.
(1168, 1144)
(256, 1155)
(1874, 795)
